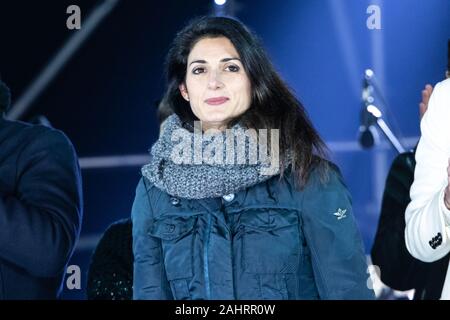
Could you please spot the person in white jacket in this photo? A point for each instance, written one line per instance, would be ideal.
(427, 232)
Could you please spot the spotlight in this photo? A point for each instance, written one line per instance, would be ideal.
(368, 74)
(374, 111)
(220, 2)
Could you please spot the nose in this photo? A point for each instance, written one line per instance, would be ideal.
(214, 81)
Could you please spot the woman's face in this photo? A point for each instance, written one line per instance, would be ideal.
(217, 86)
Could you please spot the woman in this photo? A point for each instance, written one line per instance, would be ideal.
(213, 227)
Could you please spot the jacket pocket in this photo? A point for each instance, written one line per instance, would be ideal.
(270, 241)
(177, 234)
(177, 239)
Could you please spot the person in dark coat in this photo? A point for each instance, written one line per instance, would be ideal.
(211, 221)
(40, 207)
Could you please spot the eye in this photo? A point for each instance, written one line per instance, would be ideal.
(198, 70)
(232, 68)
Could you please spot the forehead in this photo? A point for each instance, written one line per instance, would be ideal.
(212, 49)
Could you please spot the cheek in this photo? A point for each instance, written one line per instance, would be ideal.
(194, 88)
(248, 90)
(244, 87)
(245, 91)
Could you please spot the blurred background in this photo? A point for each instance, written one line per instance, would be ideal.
(101, 84)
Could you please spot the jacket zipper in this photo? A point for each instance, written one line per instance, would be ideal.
(205, 258)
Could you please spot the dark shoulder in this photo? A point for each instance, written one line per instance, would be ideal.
(117, 234)
(115, 247)
(322, 172)
(401, 177)
(24, 128)
(324, 190)
(404, 161)
(325, 174)
(147, 191)
(32, 136)
(49, 137)
(324, 178)
(110, 274)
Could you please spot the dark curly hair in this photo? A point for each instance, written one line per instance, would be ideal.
(273, 105)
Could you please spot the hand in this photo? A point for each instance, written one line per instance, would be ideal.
(426, 93)
(447, 190)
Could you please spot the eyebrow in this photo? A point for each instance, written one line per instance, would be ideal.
(223, 60)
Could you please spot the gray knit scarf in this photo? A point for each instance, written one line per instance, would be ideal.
(195, 165)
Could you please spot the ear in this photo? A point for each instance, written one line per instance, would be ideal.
(183, 91)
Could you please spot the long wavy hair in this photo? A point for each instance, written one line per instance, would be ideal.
(273, 105)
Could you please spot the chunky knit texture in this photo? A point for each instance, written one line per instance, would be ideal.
(184, 176)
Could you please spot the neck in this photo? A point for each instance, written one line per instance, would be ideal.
(213, 125)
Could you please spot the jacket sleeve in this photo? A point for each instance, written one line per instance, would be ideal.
(427, 218)
(40, 222)
(331, 233)
(398, 269)
(149, 278)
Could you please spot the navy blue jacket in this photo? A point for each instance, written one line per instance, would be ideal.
(269, 241)
(40, 209)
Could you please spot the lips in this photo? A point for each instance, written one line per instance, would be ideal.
(216, 101)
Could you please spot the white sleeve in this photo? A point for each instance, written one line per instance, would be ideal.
(427, 232)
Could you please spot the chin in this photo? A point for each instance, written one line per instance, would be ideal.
(215, 118)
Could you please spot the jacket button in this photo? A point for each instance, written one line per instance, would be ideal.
(175, 201)
(170, 228)
(228, 197)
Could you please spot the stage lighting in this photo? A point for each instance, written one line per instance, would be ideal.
(220, 2)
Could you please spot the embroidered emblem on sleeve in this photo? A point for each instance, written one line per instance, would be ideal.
(341, 214)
